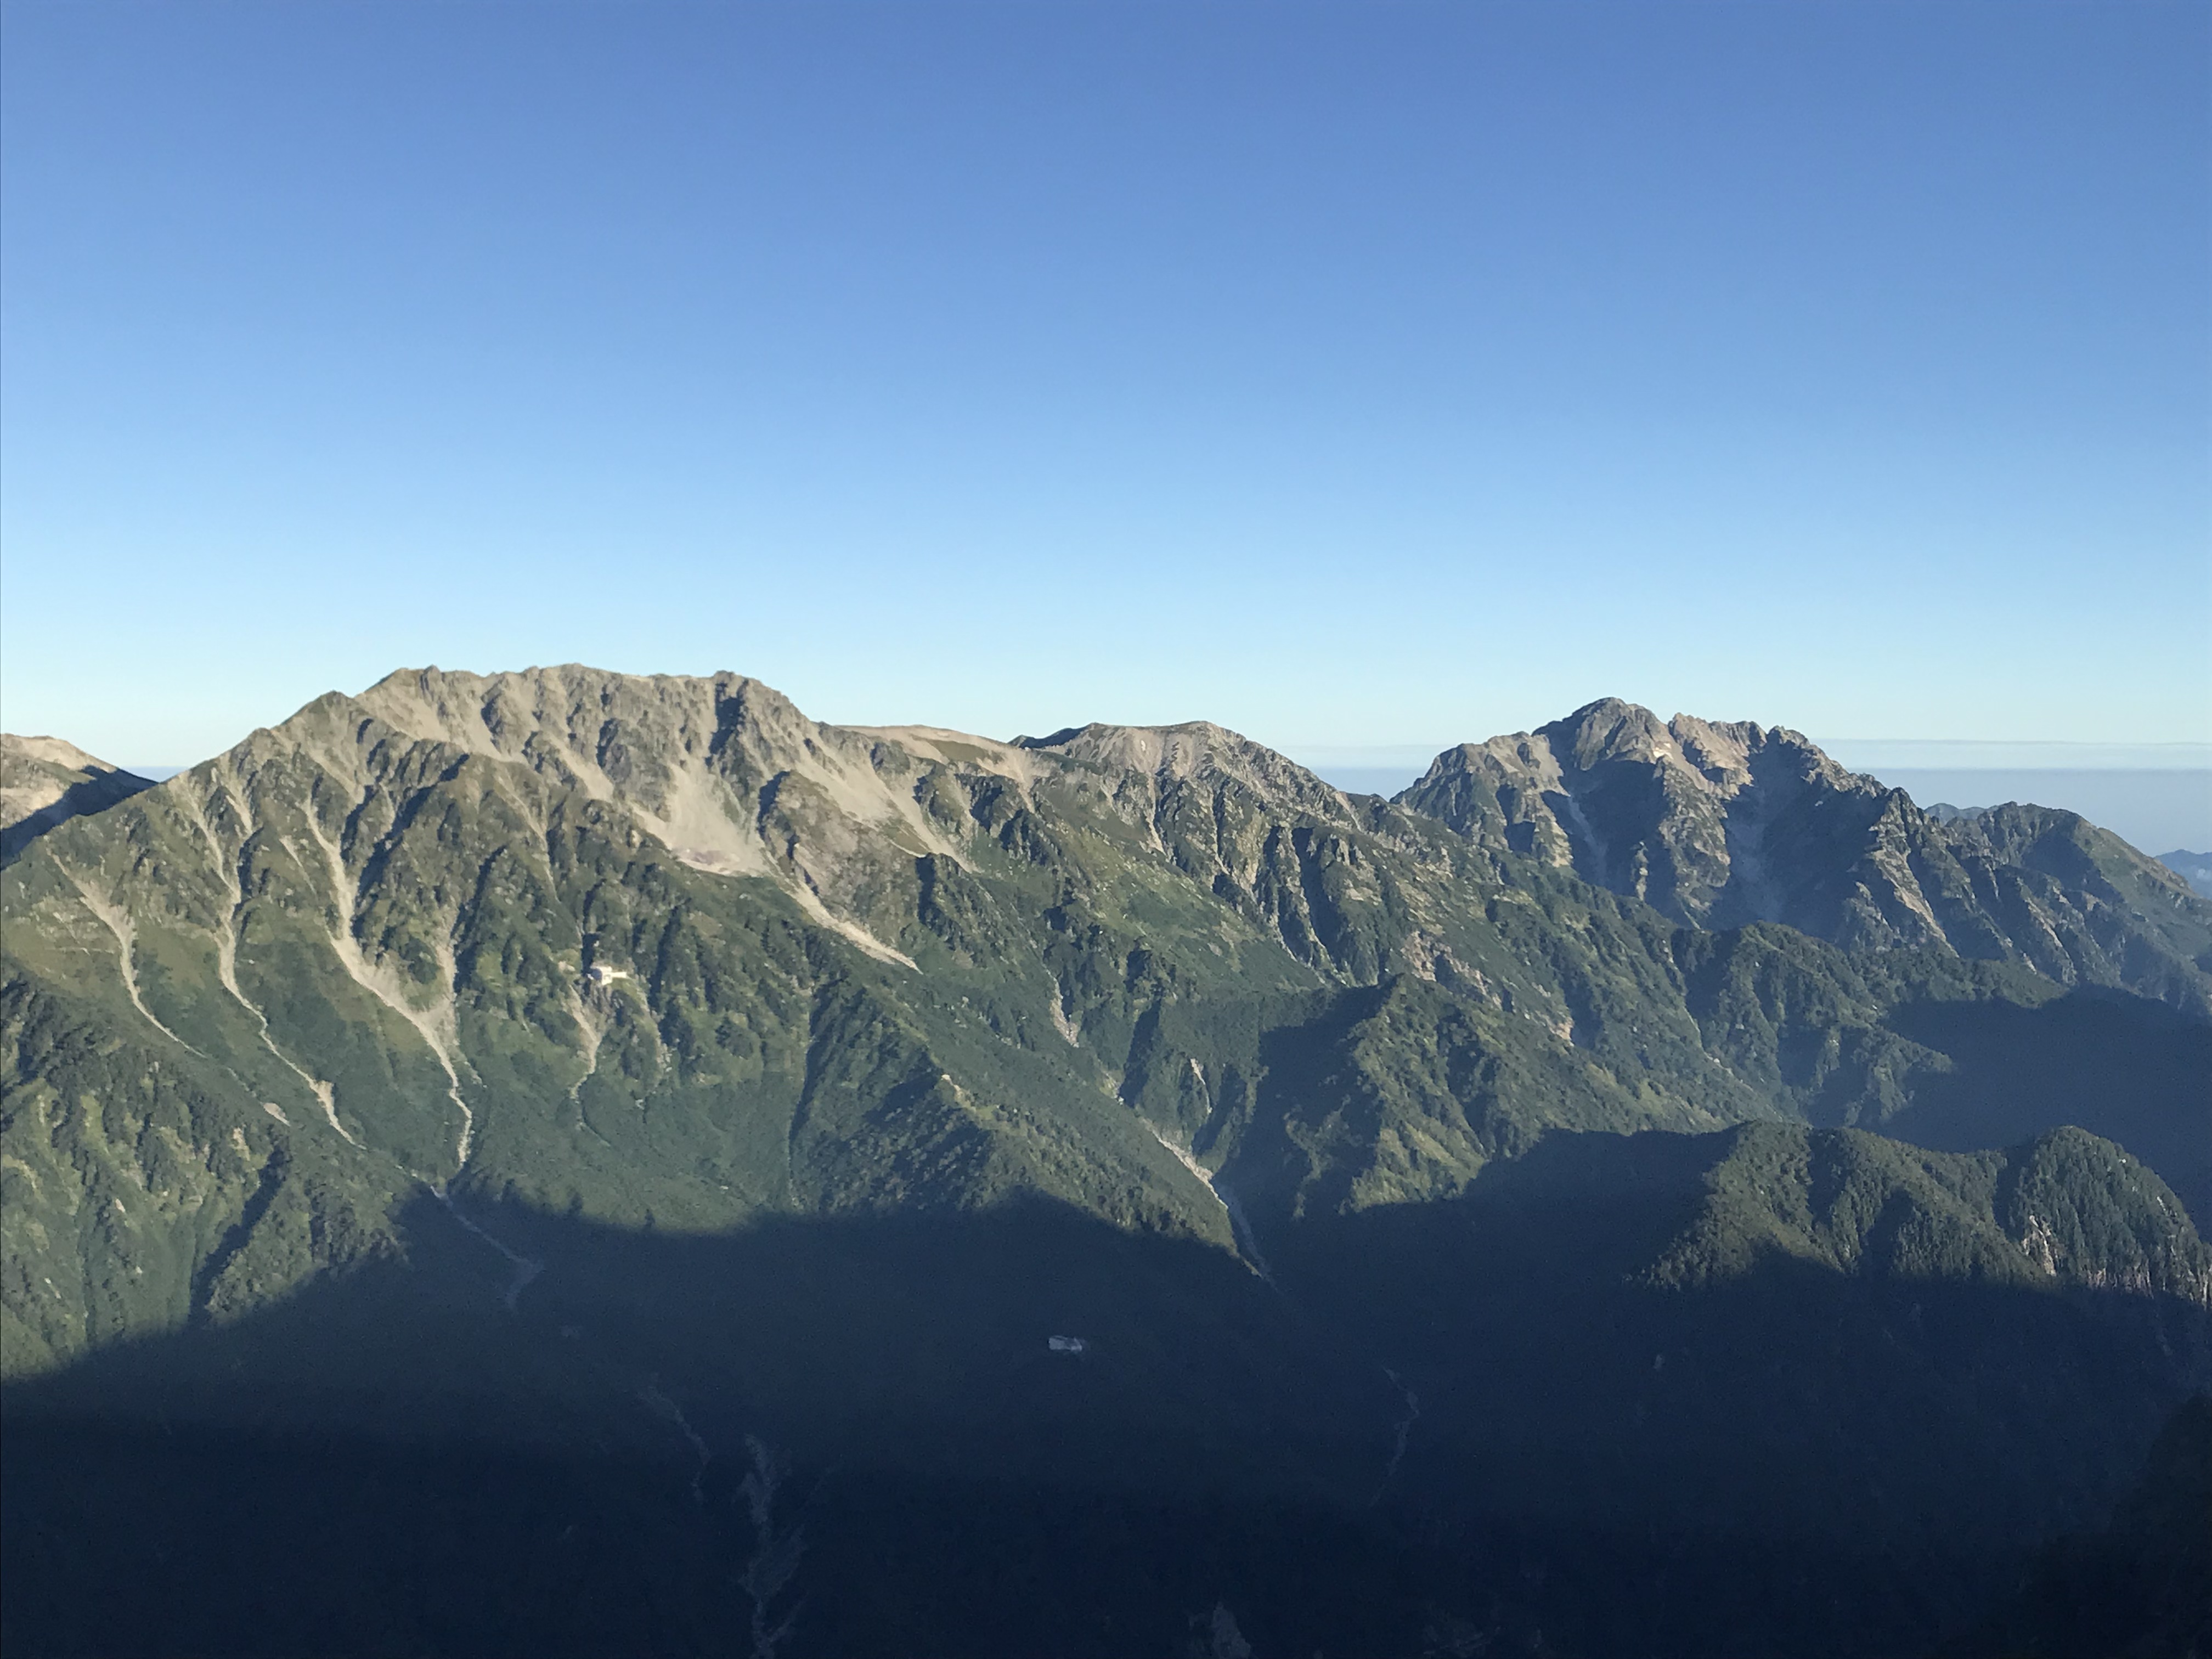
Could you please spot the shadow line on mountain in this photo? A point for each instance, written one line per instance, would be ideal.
(1684, 1467)
(2122, 1066)
(93, 794)
(922, 1341)
(917, 1338)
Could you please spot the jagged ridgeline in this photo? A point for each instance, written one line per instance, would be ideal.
(560, 1062)
(1720, 825)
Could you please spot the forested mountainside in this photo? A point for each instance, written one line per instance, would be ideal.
(652, 1100)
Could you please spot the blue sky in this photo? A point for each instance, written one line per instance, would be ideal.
(1357, 376)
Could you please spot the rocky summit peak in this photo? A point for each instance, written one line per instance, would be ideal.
(1720, 823)
(733, 779)
(573, 706)
(1602, 730)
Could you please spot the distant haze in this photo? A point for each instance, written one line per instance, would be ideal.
(2157, 811)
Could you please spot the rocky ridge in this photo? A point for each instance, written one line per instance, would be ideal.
(44, 781)
(1720, 825)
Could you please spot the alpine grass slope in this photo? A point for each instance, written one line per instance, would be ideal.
(1640, 1168)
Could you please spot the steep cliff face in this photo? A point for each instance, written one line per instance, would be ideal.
(1722, 825)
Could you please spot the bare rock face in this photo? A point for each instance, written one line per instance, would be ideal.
(1720, 825)
(1197, 753)
(734, 780)
(44, 781)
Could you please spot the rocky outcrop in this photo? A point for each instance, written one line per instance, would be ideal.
(1720, 825)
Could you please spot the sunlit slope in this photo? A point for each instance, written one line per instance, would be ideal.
(663, 951)
(1718, 825)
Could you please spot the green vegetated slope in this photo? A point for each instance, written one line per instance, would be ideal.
(568, 1060)
(45, 782)
(1820, 1332)
(1763, 1389)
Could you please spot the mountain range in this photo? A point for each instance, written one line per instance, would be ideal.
(1643, 1189)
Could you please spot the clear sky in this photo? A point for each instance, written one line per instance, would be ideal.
(1353, 375)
